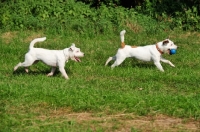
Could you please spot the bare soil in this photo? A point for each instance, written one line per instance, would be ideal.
(128, 122)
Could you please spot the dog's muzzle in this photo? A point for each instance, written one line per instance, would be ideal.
(77, 59)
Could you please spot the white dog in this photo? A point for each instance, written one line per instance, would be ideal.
(144, 53)
(53, 58)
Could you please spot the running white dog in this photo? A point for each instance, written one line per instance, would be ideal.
(53, 58)
(144, 53)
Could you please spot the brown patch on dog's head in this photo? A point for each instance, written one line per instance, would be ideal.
(133, 46)
(165, 42)
(122, 45)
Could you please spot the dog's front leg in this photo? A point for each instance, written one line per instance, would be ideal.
(166, 61)
(62, 70)
(53, 69)
(159, 66)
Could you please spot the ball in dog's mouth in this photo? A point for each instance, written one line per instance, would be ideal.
(172, 51)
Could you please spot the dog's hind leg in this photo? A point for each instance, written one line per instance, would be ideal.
(26, 68)
(16, 67)
(109, 59)
(21, 65)
(28, 62)
(53, 69)
(118, 61)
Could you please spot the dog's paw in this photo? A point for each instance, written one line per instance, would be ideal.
(172, 65)
(26, 70)
(49, 74)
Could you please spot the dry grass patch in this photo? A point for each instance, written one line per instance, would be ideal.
(8, 36)
(122, 122)
(33, 35)
(125, 122)
(134, 27)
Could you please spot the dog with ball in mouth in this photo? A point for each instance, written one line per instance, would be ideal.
(145, 53)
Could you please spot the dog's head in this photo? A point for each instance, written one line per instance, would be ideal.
(75, 53)
(166, 45)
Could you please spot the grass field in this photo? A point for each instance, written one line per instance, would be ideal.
(134, 96)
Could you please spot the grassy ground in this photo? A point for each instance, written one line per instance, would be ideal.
(135, 96)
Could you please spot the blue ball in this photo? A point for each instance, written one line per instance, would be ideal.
(172, 51)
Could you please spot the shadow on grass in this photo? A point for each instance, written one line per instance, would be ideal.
(21, 71)
(143, 65)
(135, 63)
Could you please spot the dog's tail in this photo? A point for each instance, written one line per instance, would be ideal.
(35, 41)
(122, 33)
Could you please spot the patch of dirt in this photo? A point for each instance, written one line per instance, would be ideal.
(121, 122)
(127, 122)
(8, 36)
(33, 36)
(134, 27)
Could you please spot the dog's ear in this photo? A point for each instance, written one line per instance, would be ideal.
(165, 42)
(73, 44)
(72, 47)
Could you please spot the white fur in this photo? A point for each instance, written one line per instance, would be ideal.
(53, 58)
(144, 53)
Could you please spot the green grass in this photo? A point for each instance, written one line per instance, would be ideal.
(27, 100)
